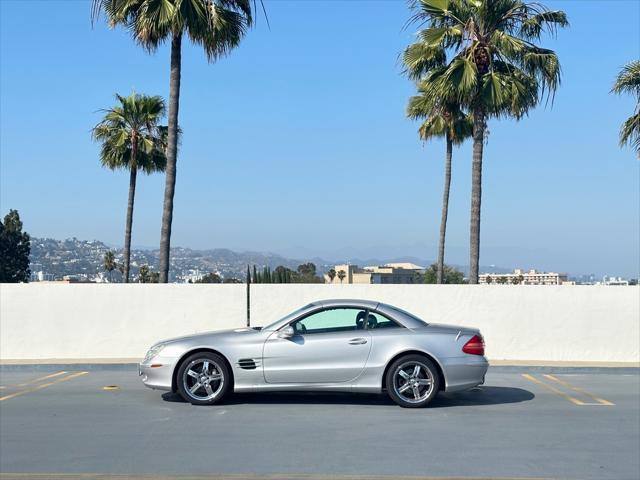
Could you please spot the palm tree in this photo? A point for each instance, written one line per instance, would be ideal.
(217, 25)
(131, 139)
(628, 81)
(441, 119)
(496, 69)
(331, 274)
(110, 263)
(341, 275)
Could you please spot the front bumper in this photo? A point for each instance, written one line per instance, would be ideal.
(156, 377)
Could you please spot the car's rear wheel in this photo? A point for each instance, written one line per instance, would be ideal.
(412, 381)
(203, 378)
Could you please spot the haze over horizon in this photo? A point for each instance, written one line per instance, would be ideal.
(298, 143)
(514, 258)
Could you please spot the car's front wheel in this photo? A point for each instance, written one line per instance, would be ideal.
(203, 378)
(412, 381)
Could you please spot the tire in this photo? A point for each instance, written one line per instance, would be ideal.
(214, 381)
(401, 387)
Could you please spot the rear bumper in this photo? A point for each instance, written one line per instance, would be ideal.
(465, 372)
(158, 378)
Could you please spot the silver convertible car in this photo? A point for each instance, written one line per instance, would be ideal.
(329, 345)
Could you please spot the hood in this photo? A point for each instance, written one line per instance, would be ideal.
(211, 334)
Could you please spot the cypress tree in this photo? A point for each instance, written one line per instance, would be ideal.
(15, 248)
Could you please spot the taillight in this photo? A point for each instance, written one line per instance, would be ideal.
(475, 346)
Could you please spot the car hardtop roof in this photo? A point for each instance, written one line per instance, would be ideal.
(349, 302)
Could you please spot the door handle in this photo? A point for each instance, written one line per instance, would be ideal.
(357, 341)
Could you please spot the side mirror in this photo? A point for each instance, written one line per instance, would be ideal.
(286, 332)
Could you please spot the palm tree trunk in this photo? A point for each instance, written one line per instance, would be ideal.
(445, 210)
(132, 194)
(476, 193)
(172, 153)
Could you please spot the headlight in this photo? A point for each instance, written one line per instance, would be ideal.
(153, 351)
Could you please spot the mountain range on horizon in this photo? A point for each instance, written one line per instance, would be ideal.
(85, 257)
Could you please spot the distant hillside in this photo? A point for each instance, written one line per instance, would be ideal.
(84, 258)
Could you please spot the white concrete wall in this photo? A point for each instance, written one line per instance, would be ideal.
(520, 323)
(39, 321)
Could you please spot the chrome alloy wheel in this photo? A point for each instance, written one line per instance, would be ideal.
(413, 382)
(203, 379)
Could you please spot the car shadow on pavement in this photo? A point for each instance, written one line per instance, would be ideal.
(486, 395)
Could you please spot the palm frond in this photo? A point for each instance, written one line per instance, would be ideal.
(630, 133)
(461, 78)
(628, 80)
(217, 25)
(419, 58)
(548, 21)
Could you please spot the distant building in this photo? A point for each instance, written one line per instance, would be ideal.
(41, 276)
(100, 277)
(384, 274)
(193, 276)
(617, 281)
(78, 278)
(520, 277)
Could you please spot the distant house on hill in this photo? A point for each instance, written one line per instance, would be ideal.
(520, 277)
(389, 273)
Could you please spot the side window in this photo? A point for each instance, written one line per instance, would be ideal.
(377, 321)
(332, 320)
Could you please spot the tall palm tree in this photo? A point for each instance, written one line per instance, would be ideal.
(628, 81)
(217, 25)
(496, 69)
(132, 139)
(441, 119)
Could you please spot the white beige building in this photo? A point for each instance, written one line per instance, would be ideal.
(520, 277)
(617, 281)
(383, 274)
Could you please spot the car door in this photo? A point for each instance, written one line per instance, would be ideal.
(327, 346)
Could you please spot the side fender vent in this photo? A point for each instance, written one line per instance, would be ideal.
(248, 364)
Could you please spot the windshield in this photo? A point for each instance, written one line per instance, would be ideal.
(291, 315)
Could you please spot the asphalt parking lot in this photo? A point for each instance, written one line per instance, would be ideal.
(57, 423)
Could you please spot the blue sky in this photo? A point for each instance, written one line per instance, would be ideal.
(297, 143)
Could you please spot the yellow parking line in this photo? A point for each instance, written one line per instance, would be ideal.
(44, 385)
(57, 374)
(601, 401)
(553, 389)
(31, 382)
